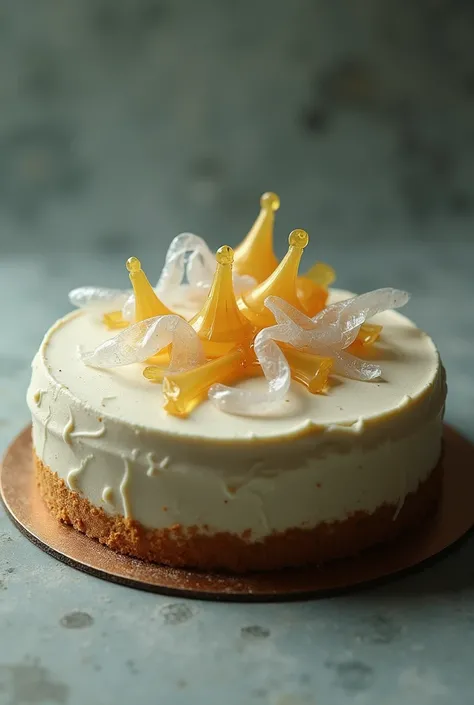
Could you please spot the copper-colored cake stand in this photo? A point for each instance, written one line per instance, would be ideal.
(454, 518)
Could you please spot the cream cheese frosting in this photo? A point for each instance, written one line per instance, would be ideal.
(317, 458)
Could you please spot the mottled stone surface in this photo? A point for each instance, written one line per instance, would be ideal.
(124, 123)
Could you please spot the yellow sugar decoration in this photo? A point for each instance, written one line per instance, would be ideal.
(369, 333)
(313, 286)
(282, 282)
(162, 358)
(184, 390)
(220, 324)
(322, 274)
(312, 297)
(115, 320)
(226, 327)
(147, 303)
(254, 256)
(311, 370)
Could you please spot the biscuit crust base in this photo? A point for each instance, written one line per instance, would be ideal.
(194, 547)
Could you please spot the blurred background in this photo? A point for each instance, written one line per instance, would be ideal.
(125, 122)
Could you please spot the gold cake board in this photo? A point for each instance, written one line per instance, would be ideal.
(453, 519)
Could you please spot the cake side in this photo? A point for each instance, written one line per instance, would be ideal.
(198, 547)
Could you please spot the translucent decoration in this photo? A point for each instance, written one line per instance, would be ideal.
(220, 324)
(115, 320)
(312, 288)
(147, 303)
(279, 328)
(184, 390)
(334, 329)
(251, 402)
(281, 283)
(312, 297)
(98, 299)
(144, 339)
(311, 370)
(368, 334)
(185, 280)
(346, 317)
(128, 309)
(188, 257)
(189, 270)
(321, 274)
(254, 257)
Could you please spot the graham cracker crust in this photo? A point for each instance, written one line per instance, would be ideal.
(192, 547)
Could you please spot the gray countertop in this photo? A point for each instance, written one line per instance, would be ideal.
(122, 124)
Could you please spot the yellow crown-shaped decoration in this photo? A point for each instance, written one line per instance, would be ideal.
(220, 324)
(282, 282)
(228, 327)
(147, 303)
(182, 391)
(254, 256)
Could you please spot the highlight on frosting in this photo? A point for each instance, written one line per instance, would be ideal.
(246, 315)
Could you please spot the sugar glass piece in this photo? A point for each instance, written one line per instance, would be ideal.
(188, 254)
(311, 296)
(322, 274)
(183, 390)
(189, 270)
(311, 370)
(254, 256)
(142, 340)
(334, 329)
(248, 402)
(368, 334)
(347, 365)
(98, 298)
(282, 283)
(147, 303)
(220, 324)
(114, 320)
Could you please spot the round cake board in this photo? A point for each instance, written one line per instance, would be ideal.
(452, 521)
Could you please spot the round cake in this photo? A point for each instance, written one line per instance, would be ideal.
(310, 478)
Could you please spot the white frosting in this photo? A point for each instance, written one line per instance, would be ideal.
(318, 458)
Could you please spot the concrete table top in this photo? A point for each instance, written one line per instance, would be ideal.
(122, 124)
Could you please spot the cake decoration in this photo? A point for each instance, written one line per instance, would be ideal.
(108, 495)
(254, 257)
(189, 269)
(47, 421)
(124, 486)
(278, 326)
(38, 396)
(74, 474)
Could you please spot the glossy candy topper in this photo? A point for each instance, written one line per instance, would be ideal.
(214, 320)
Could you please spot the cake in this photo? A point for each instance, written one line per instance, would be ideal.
(239, 416)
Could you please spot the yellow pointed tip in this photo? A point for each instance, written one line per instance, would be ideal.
(270, 201)
(219, 323)
(147, 303)
(254, 256)
(225, 255)
(133, 264)
(298, 238)
(282, 282)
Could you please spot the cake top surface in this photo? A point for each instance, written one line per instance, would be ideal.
(408, 356)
